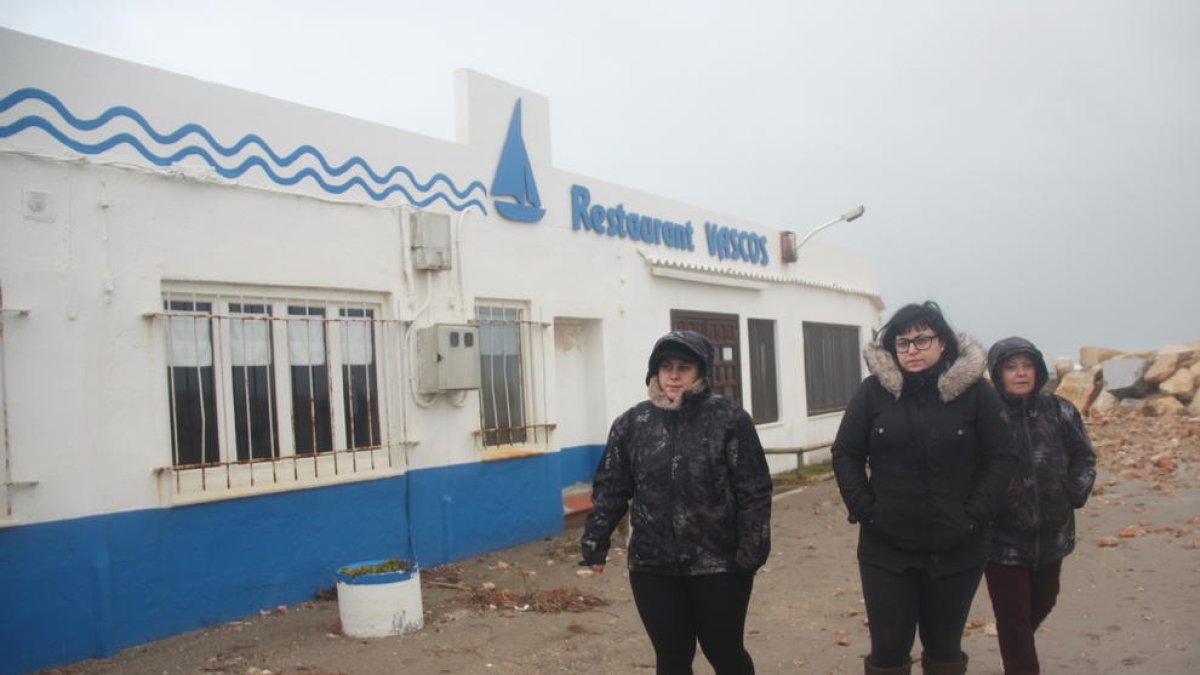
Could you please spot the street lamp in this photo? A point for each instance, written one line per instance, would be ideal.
(790, 247)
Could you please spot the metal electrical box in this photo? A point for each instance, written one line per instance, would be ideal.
(430, 241)
(448, 355)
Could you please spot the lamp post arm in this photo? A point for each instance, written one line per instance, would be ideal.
(848, 216)
(817, 229)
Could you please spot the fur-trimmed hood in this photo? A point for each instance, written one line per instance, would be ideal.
(964, 372)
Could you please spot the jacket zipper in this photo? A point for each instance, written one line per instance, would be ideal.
(1037, 498)
(924, 443)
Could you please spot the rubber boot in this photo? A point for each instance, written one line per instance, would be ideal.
(932, 667)
(869, 669)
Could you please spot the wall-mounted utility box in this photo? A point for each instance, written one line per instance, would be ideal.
(448, 358)
(430, 240)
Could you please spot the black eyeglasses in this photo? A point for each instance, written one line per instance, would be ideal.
(921, 342)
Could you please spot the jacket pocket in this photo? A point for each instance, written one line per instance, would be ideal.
(953, 528)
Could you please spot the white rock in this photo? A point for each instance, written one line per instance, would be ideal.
(1163, 367)
(1079, 388)
(1104, 404)
(1181, 385)
(1090, 356)
(1161, 406)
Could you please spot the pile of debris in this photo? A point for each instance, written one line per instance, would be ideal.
(488, 596)
(1159, 382)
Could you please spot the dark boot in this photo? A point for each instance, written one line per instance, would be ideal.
(869, 669)
(932, 667)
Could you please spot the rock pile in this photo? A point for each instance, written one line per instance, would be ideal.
(1157, 383)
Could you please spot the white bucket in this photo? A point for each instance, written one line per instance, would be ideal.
(378, 605)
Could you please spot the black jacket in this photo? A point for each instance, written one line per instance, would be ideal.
(699, 485)
(938, 460)
(1055, 472)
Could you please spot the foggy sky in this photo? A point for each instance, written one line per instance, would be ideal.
(1034, 166)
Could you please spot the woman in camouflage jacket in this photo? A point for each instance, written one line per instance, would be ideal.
(1036, 527)
(688, 465)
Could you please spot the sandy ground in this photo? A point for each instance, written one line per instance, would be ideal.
(1129, 603)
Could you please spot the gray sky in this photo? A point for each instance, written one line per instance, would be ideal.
(1033, 165)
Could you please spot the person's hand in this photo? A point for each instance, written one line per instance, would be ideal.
(598, 569)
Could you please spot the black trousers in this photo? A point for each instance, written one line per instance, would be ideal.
(1022, 598)
(678, 611)
(901, 603)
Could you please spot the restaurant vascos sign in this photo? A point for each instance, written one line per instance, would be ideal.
(724, 243)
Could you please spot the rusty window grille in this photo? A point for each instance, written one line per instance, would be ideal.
(190, 382)
(360, 388)
(511, 358)
(238, 415)
(312, 417)
(253, 373)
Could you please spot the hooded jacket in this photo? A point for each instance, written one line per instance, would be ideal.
(936, 445)
(1055, 471)
(697, 478)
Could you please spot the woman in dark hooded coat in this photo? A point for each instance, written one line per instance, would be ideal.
(1035, 529)
(692, 465)
(921, 459)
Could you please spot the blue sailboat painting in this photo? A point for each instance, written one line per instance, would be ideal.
(514, 177)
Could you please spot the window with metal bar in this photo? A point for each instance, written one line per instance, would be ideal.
(253, 375)
(311, 414)
(832, 366)
(230, 405)
(359, 383)
(502, 385)
(190, 381)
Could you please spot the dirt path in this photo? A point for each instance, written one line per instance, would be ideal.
(1127, 608)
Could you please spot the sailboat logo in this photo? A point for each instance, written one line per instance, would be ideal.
(514, 177)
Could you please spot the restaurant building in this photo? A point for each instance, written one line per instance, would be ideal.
(245, 342)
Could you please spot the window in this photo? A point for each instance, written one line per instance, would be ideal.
(722, 331)
(763, 390)
(311, 414)
(508, 342)
(360, 388)
(190, 379)
(230, 404)
(832, 366)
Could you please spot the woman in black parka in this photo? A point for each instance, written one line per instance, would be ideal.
(1035, 529)
(691, 463)
(922, 460)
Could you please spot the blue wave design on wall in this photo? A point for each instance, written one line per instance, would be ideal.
(384, 181)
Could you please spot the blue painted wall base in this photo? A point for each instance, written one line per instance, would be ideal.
(89, 587)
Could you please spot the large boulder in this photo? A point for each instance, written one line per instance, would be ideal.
(1091, 356)
(1181, 385)
(1131, 406)
(1123, 377)
(1194, 408)
(1079, 388)
(1162, 405)
(1164, 366)
(1062, 367)
(1105, 404)
(1195, 368)
(1187, 352)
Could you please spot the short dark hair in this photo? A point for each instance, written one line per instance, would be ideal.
(925, 315)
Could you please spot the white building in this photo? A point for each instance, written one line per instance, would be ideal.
(245, 342)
